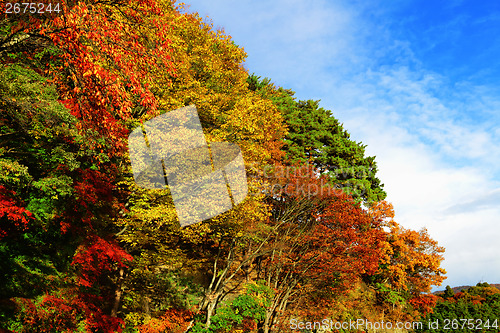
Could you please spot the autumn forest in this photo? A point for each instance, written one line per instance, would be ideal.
(84, 248)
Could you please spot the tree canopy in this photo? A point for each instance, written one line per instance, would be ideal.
(84, 248)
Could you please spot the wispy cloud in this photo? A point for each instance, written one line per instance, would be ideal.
(439, 171)
(437, 121)
(483, 201)
(436, 137)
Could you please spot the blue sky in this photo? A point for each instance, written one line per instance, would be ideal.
(418, 82)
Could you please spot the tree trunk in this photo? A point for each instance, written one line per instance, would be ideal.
(118, 295)
(268, 321)
(145, 304)
(212, 303)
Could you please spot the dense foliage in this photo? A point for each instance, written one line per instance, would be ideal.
(83, 248)
(474, 309)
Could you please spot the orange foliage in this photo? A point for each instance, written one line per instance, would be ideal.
(413, 258)
(173, 321)
(104, 63)
(424, 304)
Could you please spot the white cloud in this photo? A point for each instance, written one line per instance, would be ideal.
(437, 142)
(292, 42)
(438, 172)
(471, 241)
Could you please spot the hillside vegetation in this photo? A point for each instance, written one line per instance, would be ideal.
(83, 248)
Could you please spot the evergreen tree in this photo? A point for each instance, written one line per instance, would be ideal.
(315, 136)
